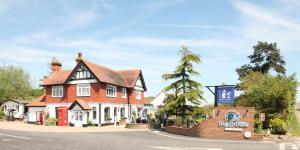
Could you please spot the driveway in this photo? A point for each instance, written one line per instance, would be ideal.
(148, 140)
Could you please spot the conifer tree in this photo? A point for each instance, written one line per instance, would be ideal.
(184, 94)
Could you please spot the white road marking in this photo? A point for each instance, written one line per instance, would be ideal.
(208, 140)
(281, 146)
(7, 140)
(294, 147)
(182, 148)
(19, 137)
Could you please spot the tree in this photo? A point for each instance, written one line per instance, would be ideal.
(15, 84)
(273, 95)
(183, 90)
(264, 58)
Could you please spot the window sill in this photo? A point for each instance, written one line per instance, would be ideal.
(111, 96)
(57, 96)
(108, 119)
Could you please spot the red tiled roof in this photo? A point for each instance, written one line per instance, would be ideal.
(125, 78)
(38, 102)
(105, 74)
(57, 78)
(148, 100)
(130, 76)
(82, 104)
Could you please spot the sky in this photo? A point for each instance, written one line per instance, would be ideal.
(147, 34)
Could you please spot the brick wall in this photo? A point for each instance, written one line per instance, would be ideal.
(97, 94)
(210, 128)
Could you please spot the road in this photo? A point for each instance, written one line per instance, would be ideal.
(137, 140)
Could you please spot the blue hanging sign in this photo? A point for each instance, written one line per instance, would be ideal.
(225, 95)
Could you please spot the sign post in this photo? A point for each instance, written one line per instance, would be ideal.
(262, 117)
(224, 94)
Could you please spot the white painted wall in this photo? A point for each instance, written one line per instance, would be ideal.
(112, 106)
(32, 113)
(94, 121)
(51, 108)
(72, 117)
(19, 113)
(158, 100)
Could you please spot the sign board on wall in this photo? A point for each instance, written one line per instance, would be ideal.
(225, 95)
(262, 117)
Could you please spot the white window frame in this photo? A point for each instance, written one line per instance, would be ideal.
(124, 92)
(114, 90)
(106, 114)
(83, 94)
(56, 89)
(138, 96)
(94, 113)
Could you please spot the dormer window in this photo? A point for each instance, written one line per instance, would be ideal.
(83, 89)
(124, 93)
(82, 72)
(57, 91)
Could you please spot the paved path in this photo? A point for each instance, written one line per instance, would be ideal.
(20, 126)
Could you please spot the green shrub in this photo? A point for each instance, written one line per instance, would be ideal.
(90, 124)
(51, 121)
(278, 126)
(257, 126)
(2, 115)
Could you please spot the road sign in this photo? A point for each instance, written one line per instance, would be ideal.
(225, 95)
(262, 117)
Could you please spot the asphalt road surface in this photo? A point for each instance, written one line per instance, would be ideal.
(135, 140)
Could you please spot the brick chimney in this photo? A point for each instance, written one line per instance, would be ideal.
(79, 57)
(55, 65)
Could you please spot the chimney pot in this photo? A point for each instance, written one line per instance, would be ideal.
(79, 58)
(55, 65)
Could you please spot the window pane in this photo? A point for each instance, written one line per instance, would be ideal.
(94, 112)
(83, 90)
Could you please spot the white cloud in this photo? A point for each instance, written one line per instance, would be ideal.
(22, 54)
(263, 14)
(146, 41)
(192, 26)
(82, 18)
(267, 24)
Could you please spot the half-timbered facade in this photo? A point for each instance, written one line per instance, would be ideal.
(90, 92)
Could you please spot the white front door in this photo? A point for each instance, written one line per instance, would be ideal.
(78, 120)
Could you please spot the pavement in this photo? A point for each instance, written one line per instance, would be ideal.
(21, 126)
(20, 136)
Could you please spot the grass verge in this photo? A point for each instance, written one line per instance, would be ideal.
(295, 126)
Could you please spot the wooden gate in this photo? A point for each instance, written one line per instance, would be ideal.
(62, 116)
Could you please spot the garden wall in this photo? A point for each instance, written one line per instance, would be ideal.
(226, 123)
